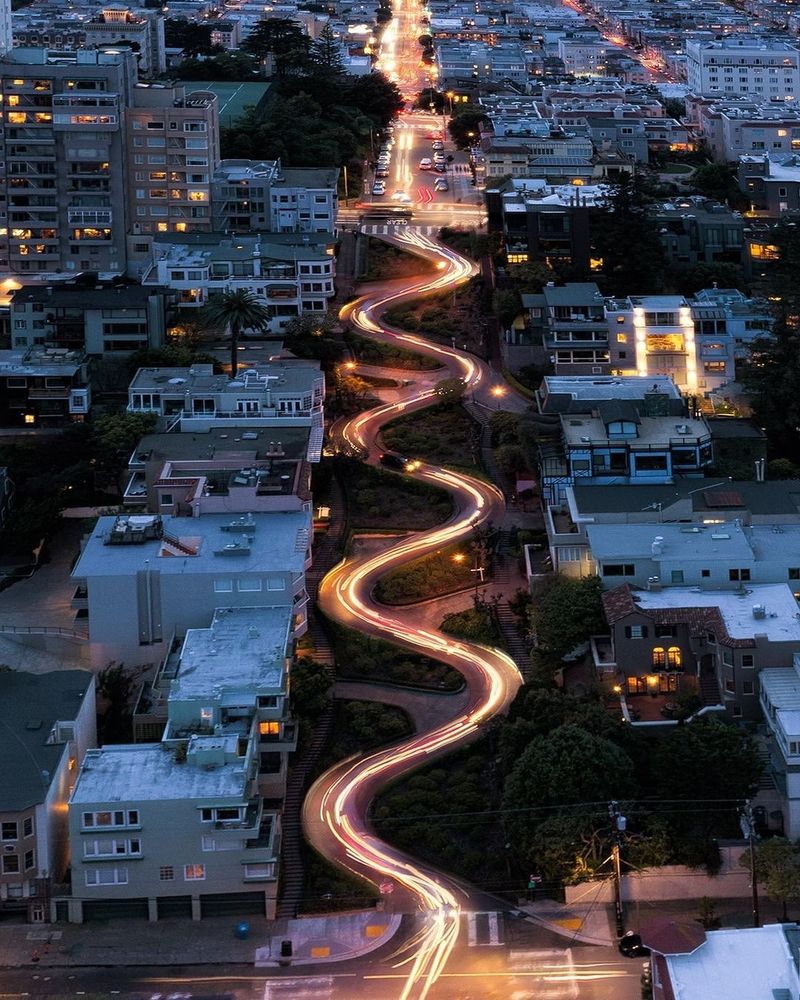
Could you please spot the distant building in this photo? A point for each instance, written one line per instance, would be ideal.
(772, 183)
(573, 327)
(47, 723)
(43, 387)
(250, 196)
(100, 318)
(760, 66)
(292, 275)
(697, 231)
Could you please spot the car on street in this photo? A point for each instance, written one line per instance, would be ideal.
(630, 945)
(378, 188)
(440, 184)
(402, 197)
(382, 172)
(393, 461)
(437, 145)
(440, 168)
(425, 163)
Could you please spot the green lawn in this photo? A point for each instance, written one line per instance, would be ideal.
(380, 499)
(442, 572)
(360, 657)
(474, 625)
(441, 435)
(371, 352)
(384, 260)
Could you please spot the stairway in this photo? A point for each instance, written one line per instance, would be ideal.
(323, 651)
(766, 783)
(709, 689)
(510, 630)
(292, 866)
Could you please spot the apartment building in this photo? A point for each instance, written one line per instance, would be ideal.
(760, 66)
(143, 579)
(44, 387)
(716, 637)
(695, 230)
(571, 322)
(617, 429)
(771, 182)
(584, 56)
(62, 163)
(111, 27)
(48, 724)
(479, 63)
(250, 196)
(189, 825)
(99, 318)
(291, 274)
(172, 150)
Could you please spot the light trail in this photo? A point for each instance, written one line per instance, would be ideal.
(335, 812)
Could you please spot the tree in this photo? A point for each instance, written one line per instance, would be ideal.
(778, 870)
(310, 688)
(375, 96)
(674, 107)
(116, 685)
(115, 435)
(192, 38)
(235, 66)
(449, 390)
(465, 124)
(567, 613)
(691, 280)
(326, 54)
(430, 99)
(236, 311)
(284, 40)
(506, 305)
(627, 240)
(718, 181)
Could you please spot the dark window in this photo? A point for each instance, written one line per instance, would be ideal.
(705, 572)
(619, 569)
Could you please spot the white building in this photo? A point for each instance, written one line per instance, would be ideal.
(762, 67)
(292, 275)
(780, 703)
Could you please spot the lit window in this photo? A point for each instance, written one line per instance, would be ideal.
(674, 657)
(269, 728)
(30, 418)
(180, 227)
(17, 117)
(659, 658)
(162, 227)
(194, 873)
(197, 196)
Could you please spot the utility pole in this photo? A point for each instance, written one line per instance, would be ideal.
(748, 829)
(618, 824)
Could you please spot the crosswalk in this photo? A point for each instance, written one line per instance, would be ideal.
(544, 974)
(389, 229)
(299, 988)
(483, 928)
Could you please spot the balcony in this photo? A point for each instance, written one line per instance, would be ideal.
(136, 491)
(250, 824)
(282, 741)
(43, 393)
(80, 598)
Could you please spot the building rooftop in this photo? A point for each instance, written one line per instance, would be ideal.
(774, 497)
(244, 649)
(780, 623)
(235, 443)
(689, 543)
(281, 376)
(30, 705)
(99, 296)
(151, 772)
(593, 387)
(55, 361)
(233, 98)
(582, 429)
(752, 963)
(780, 687)
(576, 293)
(203, 248)
(264, 542)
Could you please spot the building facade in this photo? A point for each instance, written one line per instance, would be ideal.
(767, 68)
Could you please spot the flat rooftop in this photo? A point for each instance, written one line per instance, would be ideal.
(243, 649)
(687, 542)
(233, 98)
(149, 772)
(279, 541)
(596, 387)
(781, 623)
(237, 444)
(55, 361)
(579, 429)
(710, 495)
(282, 375)
(751, 963)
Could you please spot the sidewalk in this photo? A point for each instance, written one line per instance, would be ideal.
(212, 941)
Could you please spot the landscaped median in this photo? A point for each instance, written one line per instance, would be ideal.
(440, 435)
(446, 571)
(380, 499)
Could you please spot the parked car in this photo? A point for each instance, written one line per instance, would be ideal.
(437, 144)
(425, 163)
(630, 945)
(382, 172)
(379, 188)
(440, 184)
(440, 168)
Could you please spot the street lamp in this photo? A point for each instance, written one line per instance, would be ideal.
(459, 557)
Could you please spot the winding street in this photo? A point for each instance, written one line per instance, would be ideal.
(335, 812)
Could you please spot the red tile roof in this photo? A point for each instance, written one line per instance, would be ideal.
(672, 937)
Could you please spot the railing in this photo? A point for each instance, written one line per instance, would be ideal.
(44, 630)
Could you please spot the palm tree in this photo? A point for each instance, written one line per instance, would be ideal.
(236, 311)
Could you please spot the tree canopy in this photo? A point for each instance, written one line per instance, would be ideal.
(567, 612)
(236, 311)
(778, 870)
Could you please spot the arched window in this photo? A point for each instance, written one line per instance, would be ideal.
(659, 658)
(674, 657)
